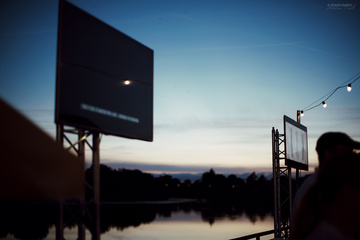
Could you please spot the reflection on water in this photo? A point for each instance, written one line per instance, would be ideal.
(195, 220)
(190, 225)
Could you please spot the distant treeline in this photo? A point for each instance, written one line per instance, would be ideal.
(134, 185)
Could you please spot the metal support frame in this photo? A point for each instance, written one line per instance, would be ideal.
(79, 148)
(59, 223)
(282, 187)
(60, 216)
(96, 185)
(298, 114)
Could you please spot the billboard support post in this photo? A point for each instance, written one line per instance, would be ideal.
(282, 187)
(79, 148)
(291, 147)
(96, 184)
(298, 114)
(59, 222)
(81, 155)
(59, 225)
(60, 135)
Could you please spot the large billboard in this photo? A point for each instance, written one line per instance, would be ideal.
(104, 79)
(296, 144)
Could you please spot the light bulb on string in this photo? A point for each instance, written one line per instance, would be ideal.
(349, 88)
(324, 104)
(127, 82)
(330, 94)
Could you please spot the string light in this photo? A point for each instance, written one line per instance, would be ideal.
(349, 87)
(127, 82)
(323, 99)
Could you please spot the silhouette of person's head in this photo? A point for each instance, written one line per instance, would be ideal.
(338, 192)
(334, 143)
(332, 202)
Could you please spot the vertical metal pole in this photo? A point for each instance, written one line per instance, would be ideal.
(298, 116)
(59, 131)
(278, 183)
(59, 134)
(275, 154)
(59, 225)
(96, 168)
(297, 170)
(81, 156)
(290, 196)
(274, 179)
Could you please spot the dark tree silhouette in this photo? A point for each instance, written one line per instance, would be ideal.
(134, 185)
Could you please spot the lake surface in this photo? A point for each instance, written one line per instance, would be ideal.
(183, 226)
(175, 221)
(188, 225)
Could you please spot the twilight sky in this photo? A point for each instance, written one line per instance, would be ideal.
(225, 73)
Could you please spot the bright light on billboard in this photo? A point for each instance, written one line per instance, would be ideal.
(104, 78)
(296, 144)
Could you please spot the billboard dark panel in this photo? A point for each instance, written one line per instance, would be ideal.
(296, 144)
(94, 60)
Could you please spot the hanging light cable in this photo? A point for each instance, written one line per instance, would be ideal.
(328, 95)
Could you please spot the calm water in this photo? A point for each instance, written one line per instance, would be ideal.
(190, 226)
(176, 223)
(181, 225)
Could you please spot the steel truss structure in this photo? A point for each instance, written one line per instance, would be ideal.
(78, 146)
(282, 187)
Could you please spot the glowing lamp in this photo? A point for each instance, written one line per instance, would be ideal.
(349, 88)
(127, 82)
(324, 104)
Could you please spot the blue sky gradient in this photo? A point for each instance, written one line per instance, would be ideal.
(225, 73)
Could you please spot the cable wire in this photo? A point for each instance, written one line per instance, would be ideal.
(328, 95)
